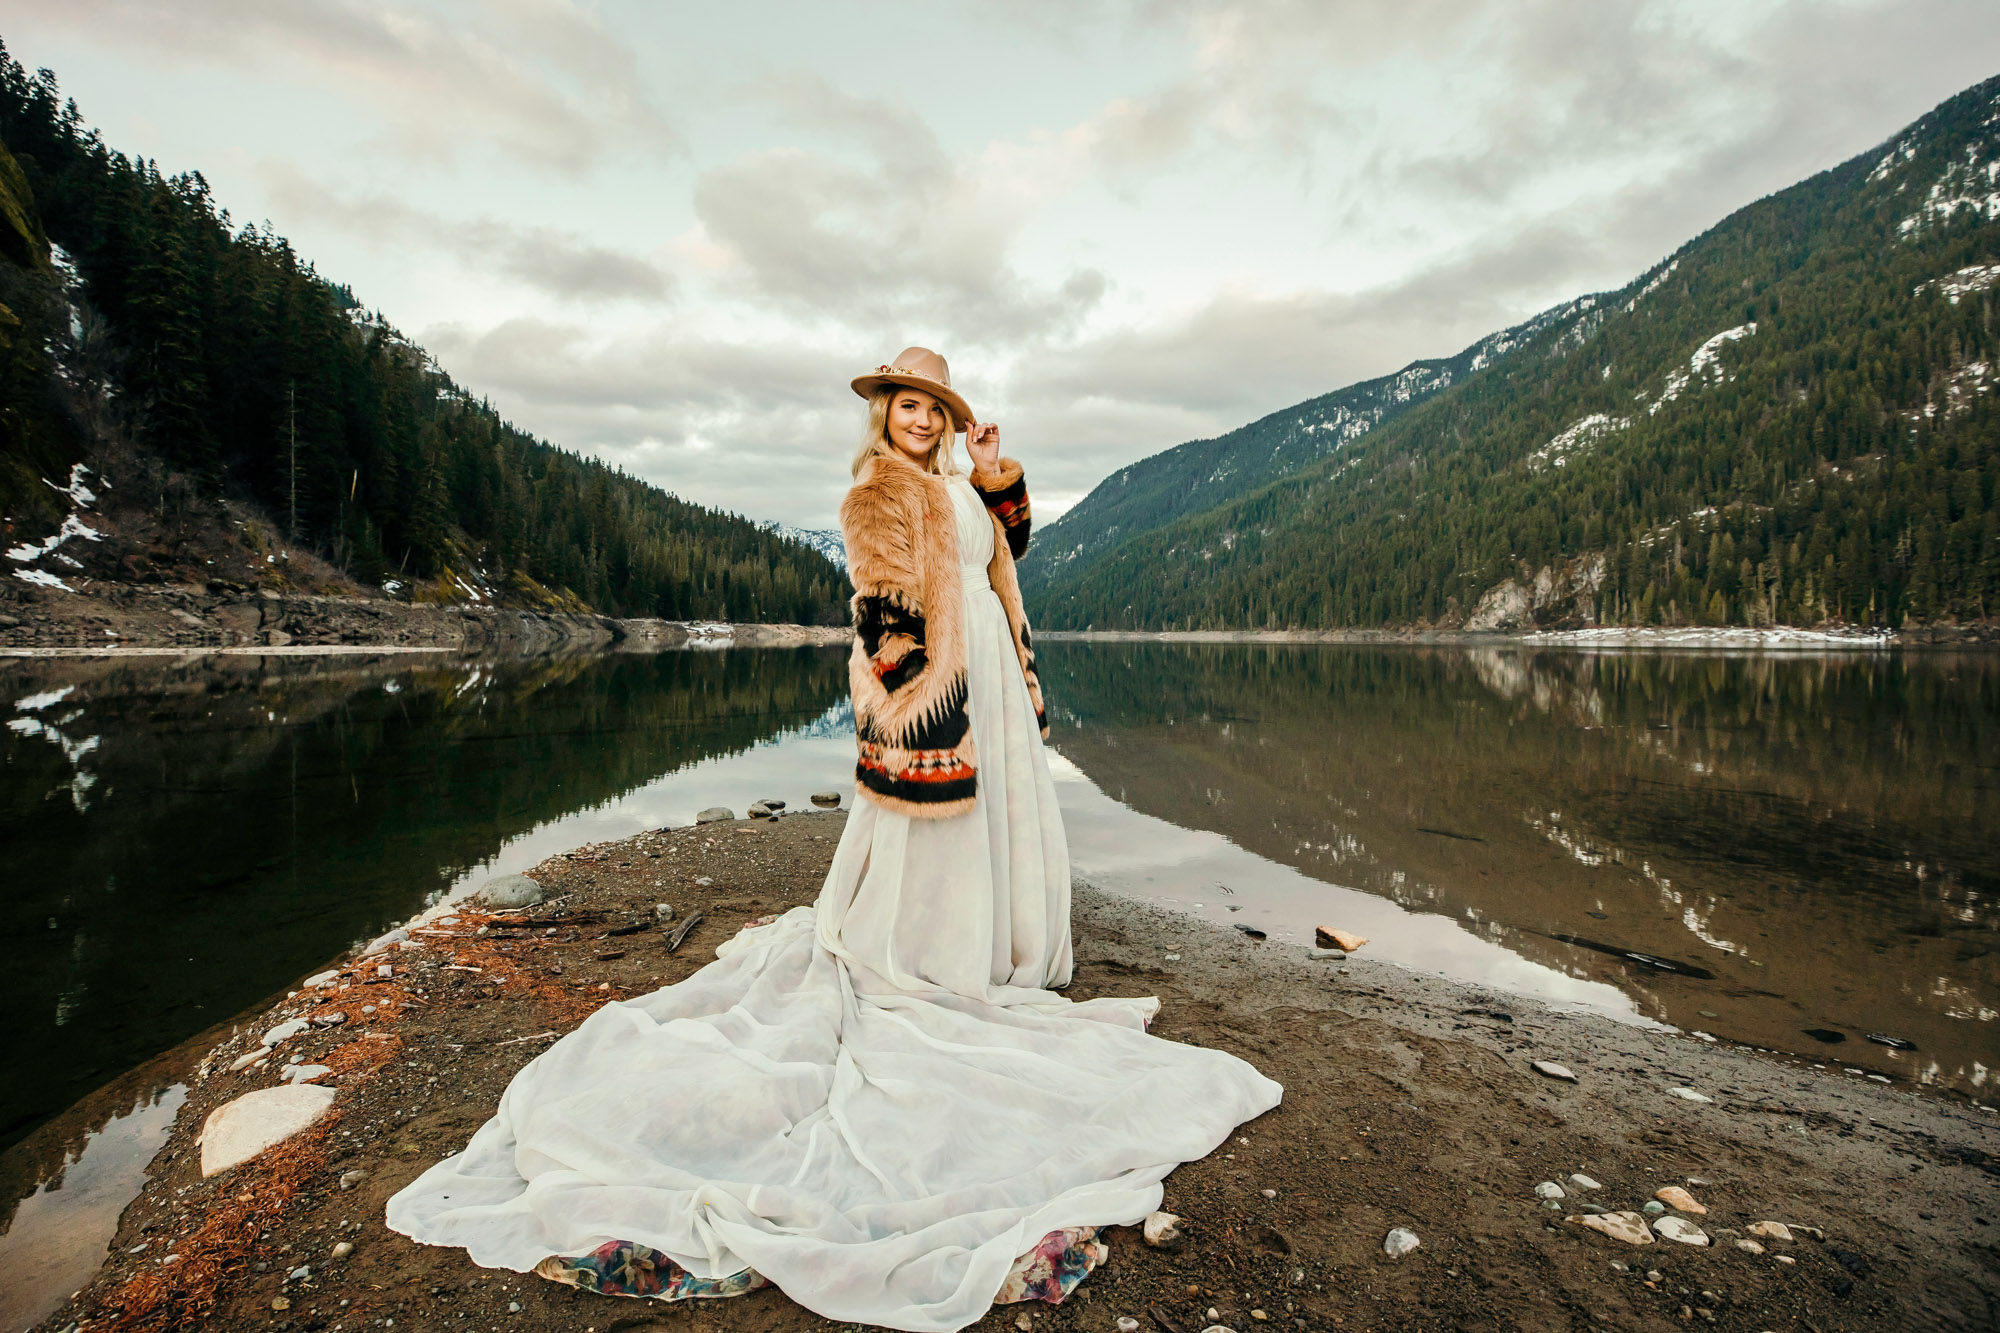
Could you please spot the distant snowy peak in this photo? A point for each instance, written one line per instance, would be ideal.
(827, 541)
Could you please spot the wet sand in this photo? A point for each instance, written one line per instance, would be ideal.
(1409, 1101)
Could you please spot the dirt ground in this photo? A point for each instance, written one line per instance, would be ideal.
(1409, 1102)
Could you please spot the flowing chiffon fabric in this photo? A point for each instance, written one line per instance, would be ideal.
(875, 1102)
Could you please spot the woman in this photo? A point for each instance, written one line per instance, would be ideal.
(876, 1103)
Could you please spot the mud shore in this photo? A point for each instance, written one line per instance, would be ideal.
(1409, 1102)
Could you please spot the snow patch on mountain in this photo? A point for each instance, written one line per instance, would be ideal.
(1972, 278)
(1970, 184)
(1652, 285)
(1576, 440)
(1705, 366)
(827, 541)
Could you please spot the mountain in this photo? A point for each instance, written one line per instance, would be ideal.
(1201, 474)
(237, 410)
(827, 541)
(1788, 421)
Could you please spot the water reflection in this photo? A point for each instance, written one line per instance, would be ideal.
(1753, 846)
(185, 838)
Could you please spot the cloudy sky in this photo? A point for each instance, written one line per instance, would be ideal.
(668, 234)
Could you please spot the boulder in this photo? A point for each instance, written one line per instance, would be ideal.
(511, 891)
(238, 1130)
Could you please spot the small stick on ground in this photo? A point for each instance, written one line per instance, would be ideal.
(674, 940)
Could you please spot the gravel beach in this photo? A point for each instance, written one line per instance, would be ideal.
(1410, 1102)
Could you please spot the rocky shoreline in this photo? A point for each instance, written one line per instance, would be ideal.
(193, 618)
(1410, 1102)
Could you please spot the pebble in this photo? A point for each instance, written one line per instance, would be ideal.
(513, 1307)
(396, 936)
(1269, 1194)
(704, 881)
(320, 980)
(367, 1009)
(1628, 1227)
(1218, 1328)
(1655, 1207)
(1678, 1199)
(1023, 1323)
(384, 971)
(1770, 1230)
(1553, 1070)
(304, 1073)
(1260, 1316)
(1163, 1231)
(286, 1031)
(1688, 1095)
(1749, 1245)
(349, 1179)
(332, 1020)
(1127, 1324)
(1680, 1229)
(1583, 1182)
(299, 1274)
(1173, 958)
(343, 1248)
(715, 814)
(281, 1303)
(1548, 1189)
(1333, 955)
(1399, 1242)
(248, 1058)
(1785, 1259)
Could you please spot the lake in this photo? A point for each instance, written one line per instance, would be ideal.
(1791, 851)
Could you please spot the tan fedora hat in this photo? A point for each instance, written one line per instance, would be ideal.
(919, 368)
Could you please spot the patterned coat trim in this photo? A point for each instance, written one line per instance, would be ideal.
(907, 667)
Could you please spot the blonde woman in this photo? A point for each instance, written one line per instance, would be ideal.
(877, 1103)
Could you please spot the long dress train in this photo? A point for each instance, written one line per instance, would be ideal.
(875, 1102)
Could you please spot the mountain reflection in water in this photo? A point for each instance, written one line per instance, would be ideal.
(1754, 846)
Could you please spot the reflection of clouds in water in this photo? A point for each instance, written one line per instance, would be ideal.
(57, 1236)
(1119, 849)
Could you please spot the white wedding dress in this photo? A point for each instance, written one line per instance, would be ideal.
(874, 1102)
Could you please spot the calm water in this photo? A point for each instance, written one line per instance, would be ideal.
(1790, 851)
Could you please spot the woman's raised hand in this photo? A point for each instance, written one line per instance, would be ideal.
(982, 441)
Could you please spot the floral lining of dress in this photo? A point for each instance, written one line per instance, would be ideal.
(1048, 1272)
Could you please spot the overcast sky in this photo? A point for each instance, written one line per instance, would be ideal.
(668, 234)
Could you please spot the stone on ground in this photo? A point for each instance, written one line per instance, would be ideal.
(238, 1130)
(1626, 1226)
(510, 891)
(1680, 1229)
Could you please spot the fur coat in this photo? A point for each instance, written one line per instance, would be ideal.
(907, 670)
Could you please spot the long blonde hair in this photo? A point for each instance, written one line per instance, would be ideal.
(875, 435)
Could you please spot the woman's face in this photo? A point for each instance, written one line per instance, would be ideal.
(916, 422)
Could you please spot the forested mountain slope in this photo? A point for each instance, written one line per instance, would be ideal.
(1201, 474)
(140, 320)
(1788, 421)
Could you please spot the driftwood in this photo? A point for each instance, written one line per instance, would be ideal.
(628, 930)
(674, 940)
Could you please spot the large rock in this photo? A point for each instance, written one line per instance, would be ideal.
(510, 891)
(715, 814)
(237, 1131)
